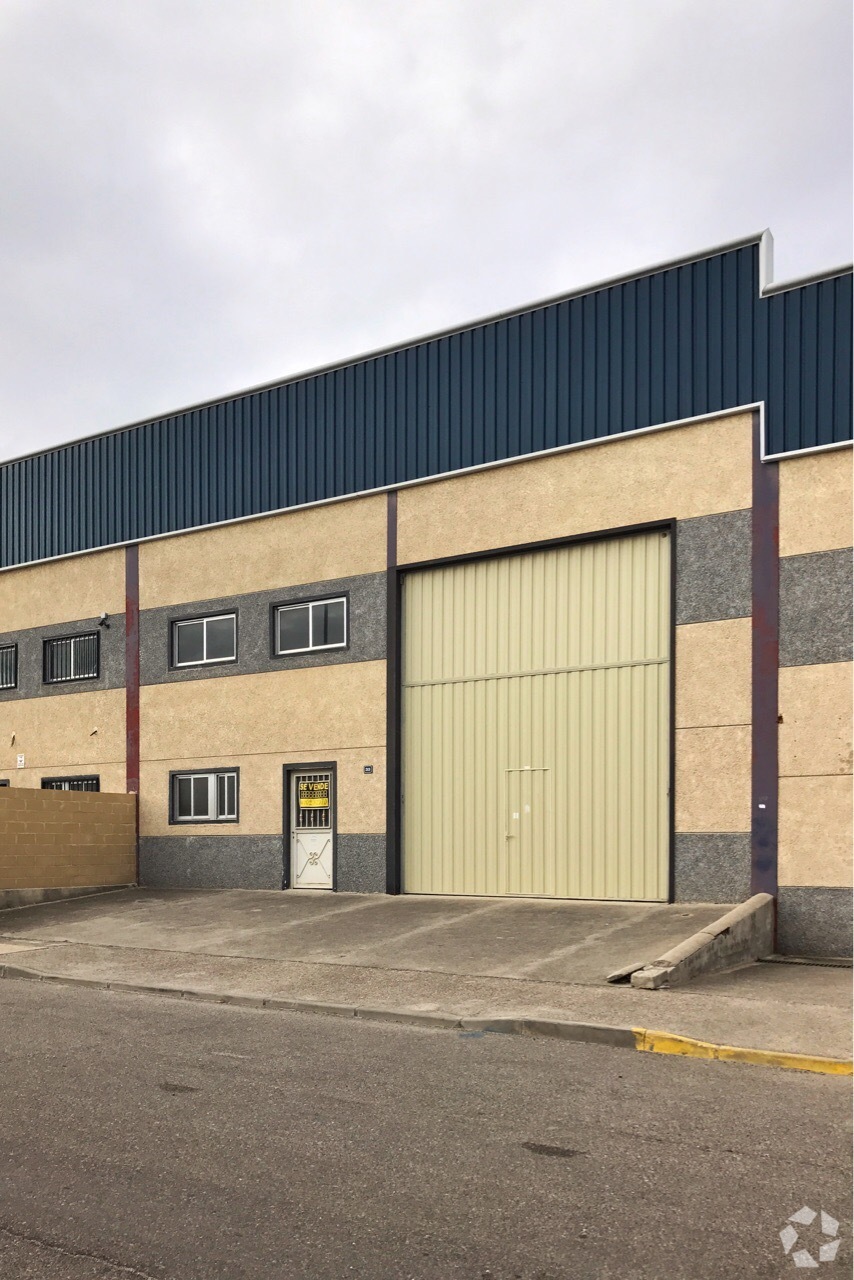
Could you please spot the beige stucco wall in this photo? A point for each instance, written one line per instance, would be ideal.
(713, 666)
(62, 590)
(815, 730)
(713, 718)
(815, 769)
(260, 722)
(816, 502)
(112, 775)
(361, 796)
(57, 735)
(713, 779)
(816, 701)
(680, 472)
(334, 541)
(335, 706)
(815, 831)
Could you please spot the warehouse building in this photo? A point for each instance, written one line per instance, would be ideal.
(557, 603)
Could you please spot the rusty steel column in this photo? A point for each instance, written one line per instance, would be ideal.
(393, 772)
(765, 670)
(132, 680)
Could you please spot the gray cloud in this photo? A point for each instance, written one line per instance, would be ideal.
(199, 197)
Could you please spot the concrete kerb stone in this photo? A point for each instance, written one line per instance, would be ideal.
(593, 1033)
(416, 1017)
(579, 1032)
(496, 1026)
(322, 1006)
(585, 1032)
(742, 935)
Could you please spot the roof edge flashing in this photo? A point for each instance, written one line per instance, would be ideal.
(800, 282)
(767, 284)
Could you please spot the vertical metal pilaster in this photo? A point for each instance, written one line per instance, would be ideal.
(132, 680)
(765, 671)
(393, 771)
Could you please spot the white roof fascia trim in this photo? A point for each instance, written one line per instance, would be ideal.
(766, 261)
(816, 448)
(411, 484)
(766, 273)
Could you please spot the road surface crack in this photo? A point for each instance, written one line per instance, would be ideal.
(120, 1267)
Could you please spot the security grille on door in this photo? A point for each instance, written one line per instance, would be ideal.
(313, 809)
(311, 830)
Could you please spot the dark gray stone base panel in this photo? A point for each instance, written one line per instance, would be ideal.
(814, 921)
(366, 630)
(361, 864)
(30, 644)
(211, 862)
(712, 867)
(815, 608)
(713, 567)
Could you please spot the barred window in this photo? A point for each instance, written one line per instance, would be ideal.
(72, 658)
(89, 783)
(8, 666)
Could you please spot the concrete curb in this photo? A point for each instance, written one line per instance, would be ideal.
(742, 935)
(640, 1038)
(686, 1047)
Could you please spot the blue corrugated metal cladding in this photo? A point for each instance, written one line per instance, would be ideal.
(686, 339)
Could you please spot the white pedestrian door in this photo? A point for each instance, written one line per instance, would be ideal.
(527, 831)
(311, 830)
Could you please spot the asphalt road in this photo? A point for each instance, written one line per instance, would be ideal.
(155, 1138)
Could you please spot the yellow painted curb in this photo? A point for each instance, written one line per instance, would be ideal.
(666, 1042)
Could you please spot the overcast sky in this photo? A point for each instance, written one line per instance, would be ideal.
(201, 195)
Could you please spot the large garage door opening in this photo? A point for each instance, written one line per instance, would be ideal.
(536, 723)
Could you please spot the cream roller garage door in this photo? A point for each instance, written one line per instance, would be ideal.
(536, 713)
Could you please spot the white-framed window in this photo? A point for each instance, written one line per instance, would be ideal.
(202, 640)
(72, 658)
(310, 625)
(210, 796)
(8, 666)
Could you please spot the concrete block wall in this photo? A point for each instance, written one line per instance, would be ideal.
(66, 839)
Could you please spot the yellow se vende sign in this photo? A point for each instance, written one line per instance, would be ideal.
(313, 795)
